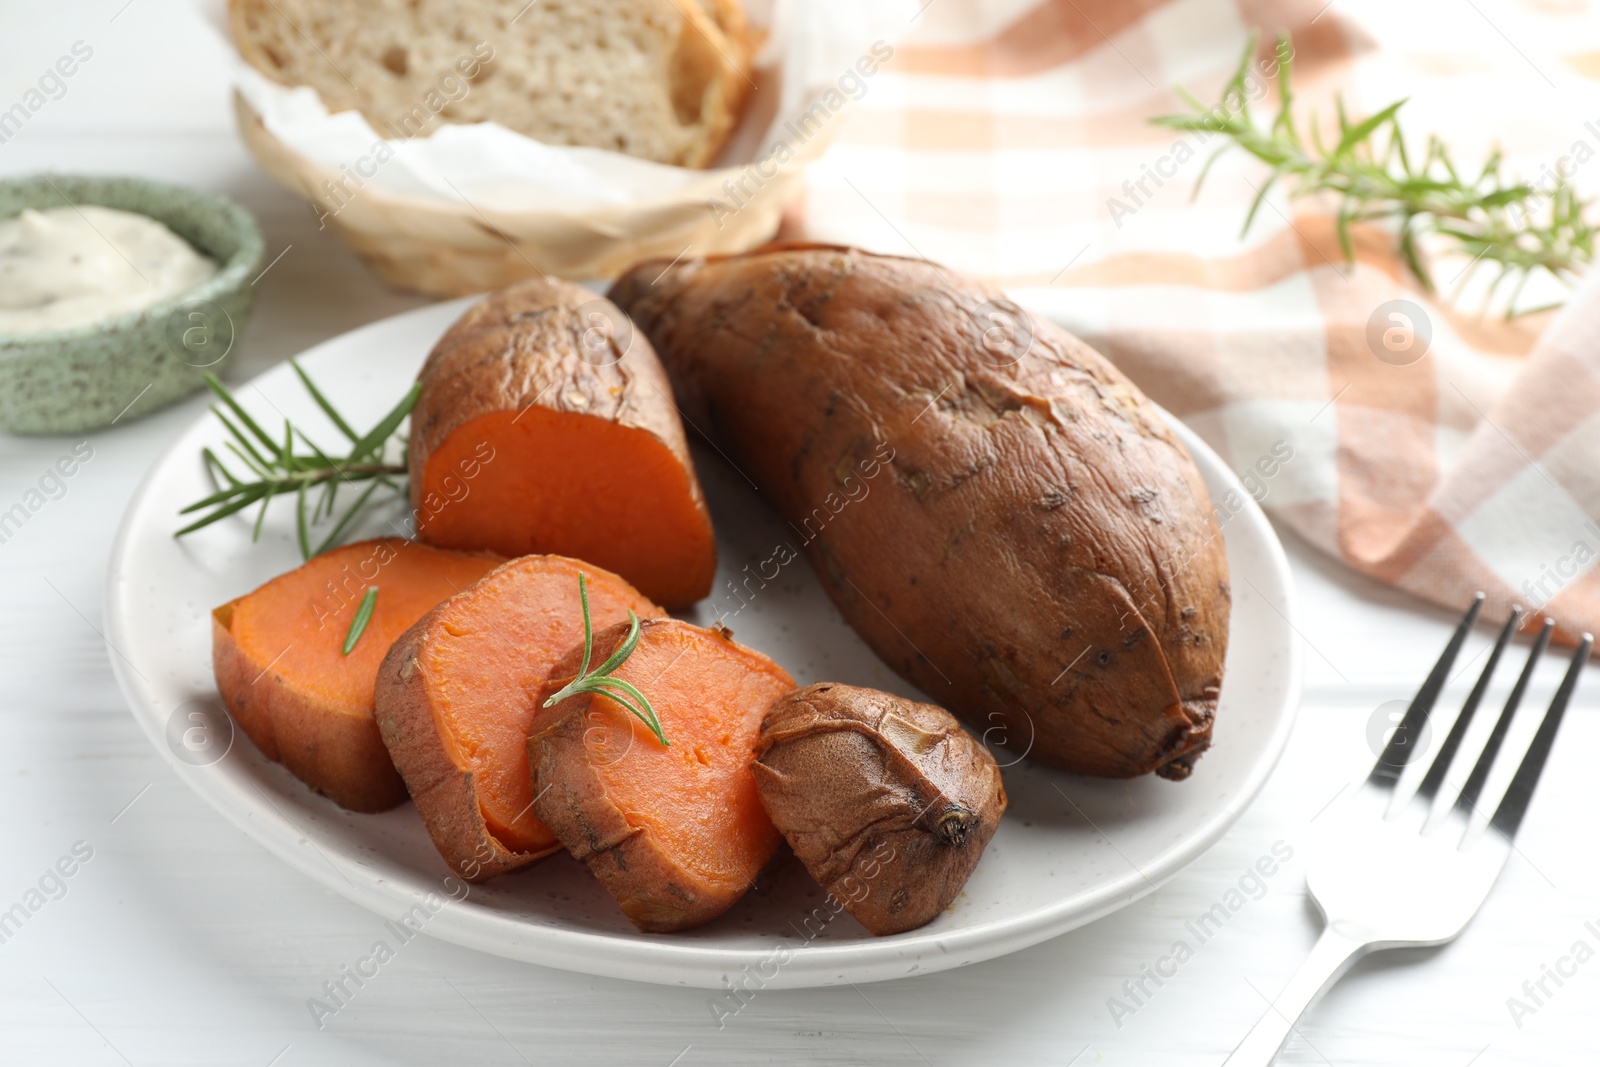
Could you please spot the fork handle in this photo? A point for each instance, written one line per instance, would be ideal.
(1337, 948)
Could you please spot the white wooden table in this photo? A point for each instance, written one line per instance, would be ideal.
(181, 941)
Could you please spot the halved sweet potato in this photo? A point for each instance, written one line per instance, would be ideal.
(457, 691)
(280, 666)
(546, 425)
(676, 833)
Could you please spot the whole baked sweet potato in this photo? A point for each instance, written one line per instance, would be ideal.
(1003, 516)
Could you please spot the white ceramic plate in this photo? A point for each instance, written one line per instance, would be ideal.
(1069, 850)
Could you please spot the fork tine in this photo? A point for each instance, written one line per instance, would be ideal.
(1508, 816)
(1398, 751)
(1467, 802)
(1447, 752)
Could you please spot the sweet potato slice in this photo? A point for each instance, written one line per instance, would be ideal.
(545, 424)
(457, 691)
(676, 833)
(280, 666)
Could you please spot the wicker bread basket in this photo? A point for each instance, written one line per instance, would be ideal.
(452, 249)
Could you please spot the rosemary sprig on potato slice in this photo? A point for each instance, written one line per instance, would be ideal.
(601, 681)
(274, 467)
(1516, 226)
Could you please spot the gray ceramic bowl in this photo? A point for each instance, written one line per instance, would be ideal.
(63, 381)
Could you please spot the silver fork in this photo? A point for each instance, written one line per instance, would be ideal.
(1393, 879)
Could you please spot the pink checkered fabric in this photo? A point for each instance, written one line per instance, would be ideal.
(1419, 440)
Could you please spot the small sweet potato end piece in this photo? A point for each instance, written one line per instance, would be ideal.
(887, 802)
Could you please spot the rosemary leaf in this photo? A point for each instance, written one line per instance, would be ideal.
(1204, 170)
(623, 651)
(216, 498)
(239, 412)
(610, 687)
(1255, 205)
(302, 532)
(601, 681)
(330, 487)
(349, 516)
(322, 402)
(358, 625)
(223, 512)
(330, 493)
(588, 630)
(261, 517)
(1358, 133)
(215, 466)
(242, 447)
(376, 436)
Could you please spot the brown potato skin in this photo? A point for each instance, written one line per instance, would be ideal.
(444, 793)
(887, 802)
(337, 754)
(1037, 553)
(522, 347)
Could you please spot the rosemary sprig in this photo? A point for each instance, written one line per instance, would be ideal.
(1519, 228)
(601, 680)
(358, 625)
(274, 467)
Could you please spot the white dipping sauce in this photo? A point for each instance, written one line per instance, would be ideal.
(73, 266)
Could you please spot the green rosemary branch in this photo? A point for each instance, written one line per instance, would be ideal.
(274, 467)
(1518, 228)
(601, 680)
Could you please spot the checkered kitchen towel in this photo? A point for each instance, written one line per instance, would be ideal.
(1433, 447)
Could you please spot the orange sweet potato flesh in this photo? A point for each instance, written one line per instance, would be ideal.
(546, 425)
(677, 834)
(280, 668)
(457, 692)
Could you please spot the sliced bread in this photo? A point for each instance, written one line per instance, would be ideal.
(657, 79)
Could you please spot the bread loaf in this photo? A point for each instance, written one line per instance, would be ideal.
(657, 79)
